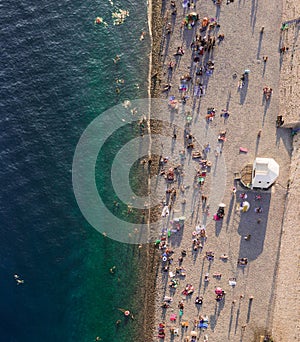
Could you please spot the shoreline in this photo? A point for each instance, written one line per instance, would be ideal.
(148, 252)
(256, 331)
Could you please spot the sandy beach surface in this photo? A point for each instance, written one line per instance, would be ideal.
(252, 307)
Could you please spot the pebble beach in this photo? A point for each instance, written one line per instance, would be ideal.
(224, 85)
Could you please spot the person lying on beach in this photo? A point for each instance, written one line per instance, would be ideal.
(221, 37)
(210, 255)
(225, 114)
(168, 299)
(232, 281)
(173, 283)
(189, 289)
(181, 271)
(242, 261)
(224, 256)
(217, 275)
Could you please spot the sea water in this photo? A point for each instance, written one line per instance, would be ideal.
(57, 75)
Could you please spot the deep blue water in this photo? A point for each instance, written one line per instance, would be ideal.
(57, 75)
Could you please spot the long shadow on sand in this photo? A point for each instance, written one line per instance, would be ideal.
(284, 135)
(254, 224)
(188, 36)
(243, 91)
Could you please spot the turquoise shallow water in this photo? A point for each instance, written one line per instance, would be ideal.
(57, 75)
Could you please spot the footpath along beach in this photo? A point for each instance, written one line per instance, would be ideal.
(213, 71)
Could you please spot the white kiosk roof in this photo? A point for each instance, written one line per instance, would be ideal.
(265, 172)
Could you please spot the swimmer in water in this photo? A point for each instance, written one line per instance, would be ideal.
(120, 80)
(100, 20)
(117, 59)
(18, 279)
(134, 111)
(112, 270)
(142, 37)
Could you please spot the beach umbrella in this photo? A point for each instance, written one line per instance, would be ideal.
(193, 333)
(222, 205)
(218, 291)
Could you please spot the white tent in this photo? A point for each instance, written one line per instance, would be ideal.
(265, 172)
